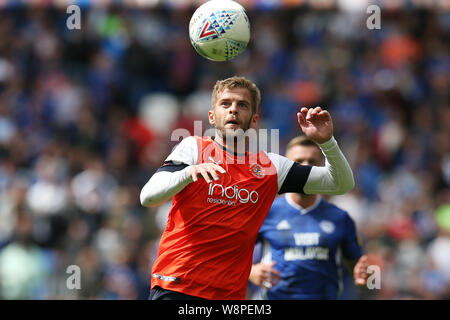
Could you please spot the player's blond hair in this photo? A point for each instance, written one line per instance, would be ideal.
(237, 82)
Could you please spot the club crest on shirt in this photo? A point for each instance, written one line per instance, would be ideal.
(257, 171)
(327, 226)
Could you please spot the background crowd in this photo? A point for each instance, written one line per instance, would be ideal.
(86, 117)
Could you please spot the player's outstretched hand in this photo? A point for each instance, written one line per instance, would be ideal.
(360, 271)
(264, 275)
(207, 171)
(316, 124)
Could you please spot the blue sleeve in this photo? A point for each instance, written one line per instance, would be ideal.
(350, 246)
(257, 252)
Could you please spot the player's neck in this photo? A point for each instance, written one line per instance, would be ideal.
(231, 145)
(303, 200)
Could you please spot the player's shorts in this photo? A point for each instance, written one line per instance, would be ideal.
(158, 293)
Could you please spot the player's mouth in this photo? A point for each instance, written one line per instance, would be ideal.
(232, 123)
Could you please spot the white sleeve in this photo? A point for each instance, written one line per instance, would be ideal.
(163, 185)
(335, 178)
(185, 152)
(282, 165)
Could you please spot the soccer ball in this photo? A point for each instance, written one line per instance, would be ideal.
(219, 30)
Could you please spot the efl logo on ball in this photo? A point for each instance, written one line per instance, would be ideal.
(219, 30)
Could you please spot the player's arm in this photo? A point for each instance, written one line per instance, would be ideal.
(264, 275)
(353, 258)
(335, 177)
(177, 172)
(163, 185)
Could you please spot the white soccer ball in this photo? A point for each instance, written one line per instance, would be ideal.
(219, 30)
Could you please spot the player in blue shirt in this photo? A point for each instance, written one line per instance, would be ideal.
(304, 239)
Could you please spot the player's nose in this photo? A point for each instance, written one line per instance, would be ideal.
(233, 108)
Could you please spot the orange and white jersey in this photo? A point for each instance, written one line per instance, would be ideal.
(206, 248)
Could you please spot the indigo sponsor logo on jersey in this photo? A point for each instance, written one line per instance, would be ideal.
(232, 193)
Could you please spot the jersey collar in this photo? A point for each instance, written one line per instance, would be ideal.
(300, 208)
(236, 154)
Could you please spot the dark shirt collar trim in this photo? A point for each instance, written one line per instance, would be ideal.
(228, 151)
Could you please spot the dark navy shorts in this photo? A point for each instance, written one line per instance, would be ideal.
(158, 293)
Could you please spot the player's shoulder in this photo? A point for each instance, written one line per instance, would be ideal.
(279, 201)
(194, 142)
(281, 163)
(279, 206)
(186, 151)
(191, 139)
(202, 141)
(275, 157)
(334, 211)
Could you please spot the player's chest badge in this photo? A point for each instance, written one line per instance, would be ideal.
(327, 226)
(257, 171)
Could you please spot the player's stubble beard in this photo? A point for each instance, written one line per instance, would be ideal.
(235, 140)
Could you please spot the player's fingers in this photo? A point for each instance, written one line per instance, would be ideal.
(212, 172)
(194, 174)
(317, 110)
(309, 114)
(324, 113)
(360, 275)
(205, 175)
(261, 278)
(361, 269)
(275, 273)
(218, 168)
(304, 110)
(301, 119)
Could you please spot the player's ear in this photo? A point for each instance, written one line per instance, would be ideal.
(255, 119)
(211, 117)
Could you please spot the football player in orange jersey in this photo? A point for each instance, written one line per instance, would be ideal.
(222, 193)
